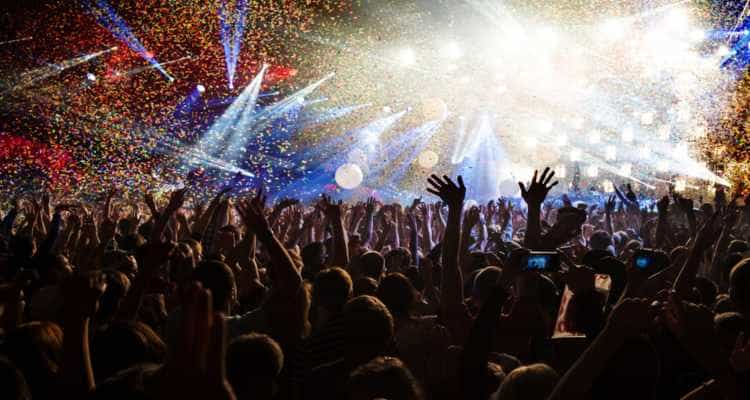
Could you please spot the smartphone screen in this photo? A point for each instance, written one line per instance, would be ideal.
(541, 261)
(643, 261)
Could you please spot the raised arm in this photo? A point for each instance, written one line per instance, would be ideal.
(334, 214)
(452, 282)
(683, 285)
(534, 196)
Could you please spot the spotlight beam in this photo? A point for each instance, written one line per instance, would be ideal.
(15, 40)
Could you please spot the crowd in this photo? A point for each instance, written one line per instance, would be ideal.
(236, 299)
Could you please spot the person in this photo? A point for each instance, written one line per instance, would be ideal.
(423, 301)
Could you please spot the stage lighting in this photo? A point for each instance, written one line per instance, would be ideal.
(610, 152)
(452, 51)
(91, 77)
(561, 171)
(407, 57)
(626, 169)
(680, 185)
(662, 166)
(627, 135)
(592, 171)
(612, 29)
(698, 35)
(723, 51)
(677, 19)
(575, 155)
(595, 137)
(608, 186)
(200, 88)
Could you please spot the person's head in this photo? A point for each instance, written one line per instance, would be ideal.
(706, 290)
(332, 289)
(631, 373)
(219, 279)
(727, 263)
(131, 243)
(728, 326)
(368, 328)
(365, 286)
(118, 285)
(398, 294)
(12, 382)
(121, 261)
(739, 286)
(197, 248)
(254, 362)
(181, 263)
(485, 280)
(532, 382)
(123, 345)
(36, 349)
(601, 240)
(397, 260)
(373, 265)
(738, 246)
(384, 378)
(54, 269)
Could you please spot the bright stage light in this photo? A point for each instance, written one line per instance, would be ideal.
(626, 169)
(608, 186)
(698, 35)
(610, 152)
(200, 88)
(613, 29)
(662, 166)
(595, 137)
(91, 77)
(627, 135)
(677, 19)
(407, 57)
(452, 51)
(575, 155)
(680, 185)
(723, 51)
(592, 171)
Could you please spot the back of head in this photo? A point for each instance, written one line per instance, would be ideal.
(738, 246)
(384, 378)
(739, 286)
(219, 279)
(727, 263)
(365, 286)
(368, 327)
(398, 259)
(131, 243)
(12, 382)
(313, 256)
(118, 285)
(532, 382)
(631, 373)
(397, 293)
(36, 349)
(373, 265)
(600, 240)
(123, 345)
(485, 281)
(253, 362)
(332, 289)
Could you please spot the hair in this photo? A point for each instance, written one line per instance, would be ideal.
(332, 289)
(253, 362)
(12, 382)
(196, 246)
(219, 279)
(36, 349)
(131, 243)
(118, 285)
(707, 291)
(397, 293)
(123, 345)
(373, 265)
(532, 382)
(365, 286)
(486, 279)
(739, 285)
(600, 240)
(737, 246)
(402, 254)
(121, 261)
(386, 378)
(368, 327)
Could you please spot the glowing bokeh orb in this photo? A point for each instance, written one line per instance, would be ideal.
(349, 176)
(434, 109)
(427, 159)
(200, 88)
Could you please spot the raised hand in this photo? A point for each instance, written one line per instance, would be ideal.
(538, 190)
(251, 212)
(449, 192)
(472, 217)
(609, 206)
(332, 210)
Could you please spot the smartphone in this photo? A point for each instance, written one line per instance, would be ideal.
(542, 261)
(647, 259)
